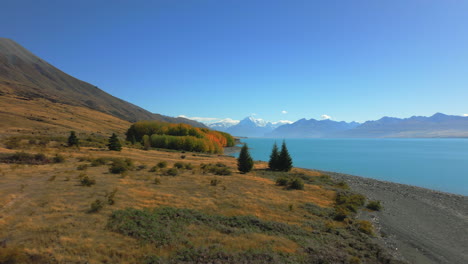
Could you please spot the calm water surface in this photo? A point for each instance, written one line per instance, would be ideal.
(439, 164)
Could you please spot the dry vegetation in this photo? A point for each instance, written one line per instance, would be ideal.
(47, 214)
(20, 116)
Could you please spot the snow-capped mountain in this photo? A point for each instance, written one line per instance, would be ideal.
(254, 127)
(223, 124)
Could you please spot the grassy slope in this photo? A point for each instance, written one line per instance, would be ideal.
(43, 209)
(41, 117)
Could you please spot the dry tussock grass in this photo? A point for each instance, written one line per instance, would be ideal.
(41, 117)
(50, 218)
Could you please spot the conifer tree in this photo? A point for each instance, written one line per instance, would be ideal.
(114, 143)
(72, 139)
(245, 162)
(274, 158)
(284, 160)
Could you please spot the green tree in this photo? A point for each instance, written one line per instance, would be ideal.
(245, 162)
(274, 158)
(73, 140)
(284, 161)
(114, 143)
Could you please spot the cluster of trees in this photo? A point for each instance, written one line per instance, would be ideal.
(178, 136)
(279, 160)
(113, 142)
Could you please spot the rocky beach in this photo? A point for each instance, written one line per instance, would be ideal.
(416, 224)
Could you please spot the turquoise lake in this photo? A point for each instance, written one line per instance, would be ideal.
(438, 164)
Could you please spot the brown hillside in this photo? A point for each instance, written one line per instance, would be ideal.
(25, 75)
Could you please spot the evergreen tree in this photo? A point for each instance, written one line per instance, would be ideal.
(284, 160)
(245, 162)
(114, 143)
(274, 158)
(72, 139)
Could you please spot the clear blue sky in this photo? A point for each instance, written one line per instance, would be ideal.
(352, 60)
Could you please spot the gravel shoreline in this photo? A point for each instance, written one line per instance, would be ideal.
(416, 224)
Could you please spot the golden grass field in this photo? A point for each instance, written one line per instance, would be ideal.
(43, 208)
(41, 117)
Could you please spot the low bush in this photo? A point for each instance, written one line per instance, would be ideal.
(172, 172)
(25, 158)
(86, 181)
(365, 227)
(292, 183)
(374, 206)
(282, 181)
(188, 166)
(99, 162)
(179, 165)
(82, 167)
(141, 167)
(96, 206)
(217, 169)
(58, 158)
(296, 184)
(111, 197)
(120, 166)
(162, 164)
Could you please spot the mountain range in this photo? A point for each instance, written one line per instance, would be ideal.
(26, 77)
(438, 125)
(247, 127)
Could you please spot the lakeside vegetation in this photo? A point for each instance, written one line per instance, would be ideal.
(178, 136)
(172, 207)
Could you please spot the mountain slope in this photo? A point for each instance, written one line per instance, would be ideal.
(252, 127)
(438, 125)
(312, 128)
(24, 75)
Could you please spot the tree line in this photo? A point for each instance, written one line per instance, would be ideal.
(178, 136)
(279, 160)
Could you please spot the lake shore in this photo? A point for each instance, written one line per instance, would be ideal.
(416, 224)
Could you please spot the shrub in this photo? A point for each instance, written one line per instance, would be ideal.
(296, 184)
(110, 197)
(86, 181)
(154, 169)
(96, 206)
(141, 167)
(225, 171)
(99, 161)
(172, 172)
(374, 206)
(25, 158)
(121, 166)
(179, 165)
(162, 164)
(182, 156)
(217, 169)
(82, 167)
(282, 181)
(58, 158)
(365, 227)
(188, 166)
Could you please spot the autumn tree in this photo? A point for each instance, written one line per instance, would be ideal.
(245, 162)
(73, 140)
(114, 143)
(284, 160)
(274, 158)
